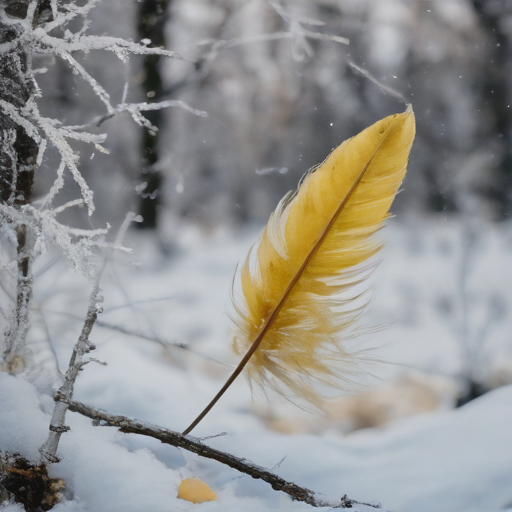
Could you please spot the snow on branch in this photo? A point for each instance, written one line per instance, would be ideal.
(296, 32)
(116, 45)
(75, 244)
(78, 68)
(57, 136)
(39, 40)
(28, 227)
(71, 11)
(7, 140)
(218, 44)
(135, 110)
(301, 49)
(57, 185)
(20, 119)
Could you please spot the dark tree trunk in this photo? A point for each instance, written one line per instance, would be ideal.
(18, 151)
(495, 94)
(152, 18)
(18, 155)
(471, 391)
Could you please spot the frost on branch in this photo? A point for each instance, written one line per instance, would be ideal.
(29, 28)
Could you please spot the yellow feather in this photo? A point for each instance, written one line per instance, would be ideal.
(288, 321)
(311, 250)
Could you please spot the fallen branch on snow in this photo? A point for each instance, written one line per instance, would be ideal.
(194, 445)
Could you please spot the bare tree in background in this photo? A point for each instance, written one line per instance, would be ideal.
(494, 89)
(153, 16)
(18, 161)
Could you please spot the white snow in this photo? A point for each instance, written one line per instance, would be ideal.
(445, 461)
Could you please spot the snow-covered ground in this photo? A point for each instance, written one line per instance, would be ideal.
(441, 287)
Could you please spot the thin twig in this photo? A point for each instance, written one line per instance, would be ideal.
(164, 343)
(135, 110)
(194, 445)
(49, 339)
(384, 88)
(83, 346)
(65, 393)
(15, 337)
(137, 334)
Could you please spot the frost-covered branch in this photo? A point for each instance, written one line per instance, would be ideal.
(65, 393)
(120, 47)
(384, 88)
(135, 110)
(29, 40)
(299, 35)
(20, 154)
(82, 347)
(299, 39)
(195, 445)
(76, 244)
(68, 12)
(27, 28)
(295, 31)
(16, 333)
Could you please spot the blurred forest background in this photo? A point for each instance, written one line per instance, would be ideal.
(281, 90)
(282, 83)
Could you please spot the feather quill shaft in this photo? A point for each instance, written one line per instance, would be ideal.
(287, 320)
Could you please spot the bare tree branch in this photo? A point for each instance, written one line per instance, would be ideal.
(195, 445)
(165, 343)
(65, 392)
(83, 346)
